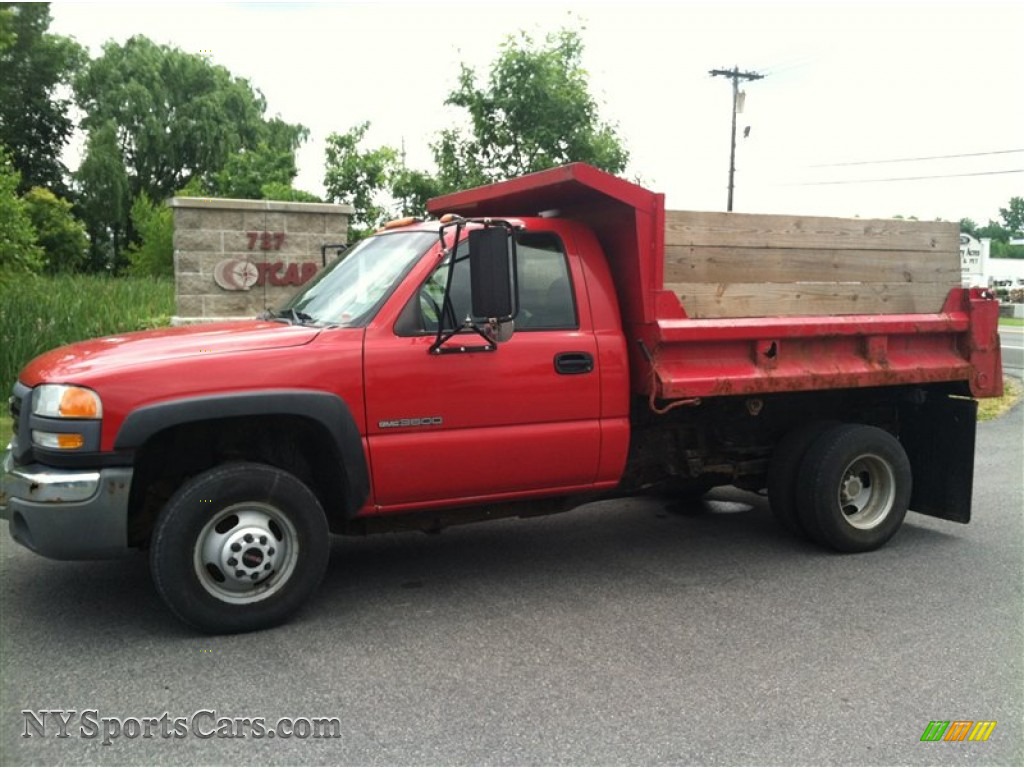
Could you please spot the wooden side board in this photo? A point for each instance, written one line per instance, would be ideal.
(754, 265)
(710, 264)
(751, 230)
(794, 299)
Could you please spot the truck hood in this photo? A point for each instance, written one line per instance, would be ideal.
(73, 363)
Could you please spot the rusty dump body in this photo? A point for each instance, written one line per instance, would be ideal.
(718, 304)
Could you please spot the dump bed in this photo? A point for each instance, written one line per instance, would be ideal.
(750, 265)
(731, 303)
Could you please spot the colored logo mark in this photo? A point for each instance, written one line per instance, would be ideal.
(958, 730)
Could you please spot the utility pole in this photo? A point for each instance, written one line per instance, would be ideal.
(735, 75)
(405, 200)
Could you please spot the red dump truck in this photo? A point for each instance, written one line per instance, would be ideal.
(547, 341)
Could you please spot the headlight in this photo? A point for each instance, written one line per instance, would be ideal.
(63, 401)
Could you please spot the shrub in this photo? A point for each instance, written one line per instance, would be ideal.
(153, 255)
(19, 248)
(60, 235)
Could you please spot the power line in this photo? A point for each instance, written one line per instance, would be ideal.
(735, 75)
(902, 178)
(786, 66)
(917, 159)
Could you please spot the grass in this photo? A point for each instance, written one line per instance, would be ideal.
(993, 407)
(40, 313)
(1013, 322)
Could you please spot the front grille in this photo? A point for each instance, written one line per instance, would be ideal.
(15, 406)
(19, 406)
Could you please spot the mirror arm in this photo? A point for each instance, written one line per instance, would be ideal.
(446, 304)
(490, 332)
(438, 348)
(448, 311)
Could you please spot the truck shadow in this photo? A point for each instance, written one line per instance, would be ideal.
(727, 538)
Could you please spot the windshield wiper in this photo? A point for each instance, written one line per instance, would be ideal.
(293, 316)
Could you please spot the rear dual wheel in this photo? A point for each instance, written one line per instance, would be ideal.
(784, 472)
(851, 489)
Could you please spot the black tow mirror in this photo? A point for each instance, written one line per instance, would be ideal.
(492, 268)
(494, 293)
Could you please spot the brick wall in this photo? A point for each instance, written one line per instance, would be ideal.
(235, 258)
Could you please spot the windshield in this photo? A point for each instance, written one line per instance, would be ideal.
(351, 291)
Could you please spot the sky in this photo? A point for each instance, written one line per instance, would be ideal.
(871, 109)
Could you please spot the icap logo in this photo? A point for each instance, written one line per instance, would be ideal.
(236, 274)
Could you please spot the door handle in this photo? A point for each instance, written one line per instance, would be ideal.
(569, 363)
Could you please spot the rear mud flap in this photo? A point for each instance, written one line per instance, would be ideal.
(938, 436)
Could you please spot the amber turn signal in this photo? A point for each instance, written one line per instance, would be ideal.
(60, 440)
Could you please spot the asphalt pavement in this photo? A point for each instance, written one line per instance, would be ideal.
(1011, 339)
(627, 632)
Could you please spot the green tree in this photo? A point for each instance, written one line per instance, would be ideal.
(535, 112)
(104, 197)
(412, 189)
(995, 231)
(1013, 217)
(360, 177)
(271, 161)
(174, 117)
(275, 190)
(35, 123)
(153, 255)
(375, 182)
(245, 173)
(19, 250)
(1000, 233)
(61, 236)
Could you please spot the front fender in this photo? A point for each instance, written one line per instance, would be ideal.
(326, 409)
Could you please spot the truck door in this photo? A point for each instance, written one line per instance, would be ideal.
(471, 425)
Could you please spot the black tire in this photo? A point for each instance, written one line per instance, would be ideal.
(784, 472)
(239, 547)
(854, 488)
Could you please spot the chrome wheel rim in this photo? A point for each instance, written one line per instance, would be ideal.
(246, 553)
(867, 492)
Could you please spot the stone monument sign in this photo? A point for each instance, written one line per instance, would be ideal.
(235, 258)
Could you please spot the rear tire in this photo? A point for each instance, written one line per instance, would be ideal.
(854, 488)
(239, 547)
(784, 472)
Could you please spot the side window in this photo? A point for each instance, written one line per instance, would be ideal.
(545, 290)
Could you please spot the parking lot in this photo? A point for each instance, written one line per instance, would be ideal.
(627, 632)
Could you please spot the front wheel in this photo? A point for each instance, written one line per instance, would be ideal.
(854, 488)
(239, 547)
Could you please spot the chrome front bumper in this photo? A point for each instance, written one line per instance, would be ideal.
(66, 514)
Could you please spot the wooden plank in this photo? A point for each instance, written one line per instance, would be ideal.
(811, 232)
(704, 300)
(697, 264)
